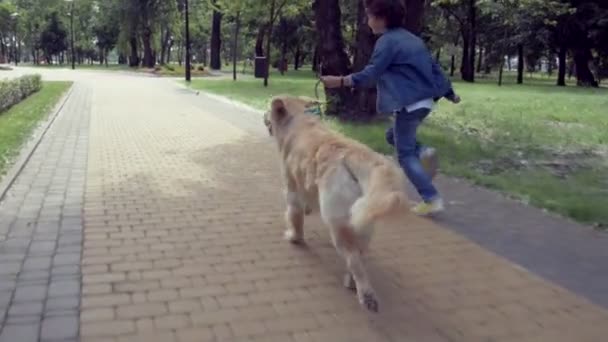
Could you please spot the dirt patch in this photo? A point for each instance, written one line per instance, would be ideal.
(561, 164)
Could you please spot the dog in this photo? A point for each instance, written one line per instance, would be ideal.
(352, 187)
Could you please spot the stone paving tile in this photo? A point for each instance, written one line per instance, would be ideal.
(39, 276)
(182, 242)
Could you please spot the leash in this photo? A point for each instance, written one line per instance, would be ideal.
(318, 110)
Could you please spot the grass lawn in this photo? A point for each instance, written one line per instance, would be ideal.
(545, 145)
(17, 123)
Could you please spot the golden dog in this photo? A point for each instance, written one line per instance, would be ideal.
(352, 186)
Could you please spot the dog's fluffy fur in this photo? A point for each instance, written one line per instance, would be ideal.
(352, 186)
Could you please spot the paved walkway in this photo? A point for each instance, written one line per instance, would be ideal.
(182, 222)
(41, 233)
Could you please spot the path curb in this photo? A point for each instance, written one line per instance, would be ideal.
(30, 147)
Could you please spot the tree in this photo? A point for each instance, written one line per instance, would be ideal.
(578, 30)
(6, 29)
(216, 40)
(106, 29)
(414, 14)
(365, 99)
(53, 38)
(465, 12)
(332, 55)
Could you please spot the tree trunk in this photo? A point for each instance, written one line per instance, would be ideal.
(237, 26)
(479, 60)
(561, 67)
(107, 52)
(101, 56)
(216, 41)
(205, 54)
(283, 58)
(584, 76)
(452, 65)
(169, 48)
(365, 98)
(165, 47)
(473, 40)
(332, 54)
(134, 59)
(296, 58)
(438, 55)
(180, 52)
(148, 61)
(414, 13)
(315, 59)
(259, 40)
(2, 49)
(465, 67)
(502, 66)
(487, 66)
(268, 39)
(520, 63)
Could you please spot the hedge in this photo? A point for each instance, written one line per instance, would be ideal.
(15, 90)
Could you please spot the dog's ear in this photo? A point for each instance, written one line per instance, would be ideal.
(279, 111)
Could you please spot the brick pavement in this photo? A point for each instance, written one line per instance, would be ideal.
(182, 242)
(41, 233)
(561, 251)
(183, 217)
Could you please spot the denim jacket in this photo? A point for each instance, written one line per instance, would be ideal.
(403, 71)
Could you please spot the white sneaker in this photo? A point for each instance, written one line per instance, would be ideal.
(429, 208)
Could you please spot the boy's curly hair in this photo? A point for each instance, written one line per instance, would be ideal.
(393, 11)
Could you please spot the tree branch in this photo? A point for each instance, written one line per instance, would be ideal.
(277, 11)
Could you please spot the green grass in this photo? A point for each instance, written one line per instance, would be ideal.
(540, 143)
(17, 123)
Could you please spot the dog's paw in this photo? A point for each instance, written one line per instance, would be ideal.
(349, 282)
(369, 301)
(291, 236)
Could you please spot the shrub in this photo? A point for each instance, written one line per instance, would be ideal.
(13, 91)
(200, 68)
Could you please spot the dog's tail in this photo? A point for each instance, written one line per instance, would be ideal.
(383, 196)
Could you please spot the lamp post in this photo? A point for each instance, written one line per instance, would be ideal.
(72, 32)
(14, 16)
(188, 74)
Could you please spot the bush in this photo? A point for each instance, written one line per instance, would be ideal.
(13, 91)
(200, 68)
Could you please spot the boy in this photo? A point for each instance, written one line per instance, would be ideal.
(408, 82)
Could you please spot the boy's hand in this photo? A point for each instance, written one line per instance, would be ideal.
(332, 81)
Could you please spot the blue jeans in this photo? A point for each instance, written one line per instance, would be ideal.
(403, 137)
